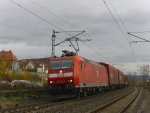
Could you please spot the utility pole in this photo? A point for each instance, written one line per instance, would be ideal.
(42, 73)
(53, 44)
(74, 38)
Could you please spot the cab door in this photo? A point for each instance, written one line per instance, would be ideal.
(82, 77)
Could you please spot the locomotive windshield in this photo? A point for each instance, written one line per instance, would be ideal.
(63, 64)
(67, 64)
(55, 64)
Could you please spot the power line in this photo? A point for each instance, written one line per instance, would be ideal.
(41, 18)
(114, 19)
(138, 37)
(92, 48)
(141, 32)
(130, 45)
(38, 16)
(120, 28)
(121, 21)
(52, 13)
(99, 53)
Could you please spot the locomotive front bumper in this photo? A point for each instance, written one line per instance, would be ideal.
(62, 89)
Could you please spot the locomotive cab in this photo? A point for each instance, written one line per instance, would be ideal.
(61, 76)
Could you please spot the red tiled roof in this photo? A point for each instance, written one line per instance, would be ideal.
(7, 55)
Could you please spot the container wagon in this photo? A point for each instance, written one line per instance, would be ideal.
(113, 75)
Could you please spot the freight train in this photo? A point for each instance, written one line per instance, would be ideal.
(77, 76)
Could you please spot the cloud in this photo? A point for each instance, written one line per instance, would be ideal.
(30, 36)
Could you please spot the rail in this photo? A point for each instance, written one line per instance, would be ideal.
(103, 107)
(130, 102)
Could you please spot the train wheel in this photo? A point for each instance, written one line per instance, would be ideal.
(85, 93)
(78, 93)
(100, 90)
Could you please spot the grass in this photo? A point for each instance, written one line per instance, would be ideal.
(10, 99)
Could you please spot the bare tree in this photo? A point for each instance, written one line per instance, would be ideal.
(131, 76)
(144, 69)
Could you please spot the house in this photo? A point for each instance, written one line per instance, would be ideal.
(27, 65)
(34, 65)
(10, 59)
(37, 66)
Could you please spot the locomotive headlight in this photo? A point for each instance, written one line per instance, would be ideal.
(60, 71)
(70, 81)
(51, 82)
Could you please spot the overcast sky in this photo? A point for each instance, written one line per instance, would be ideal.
(30, 37)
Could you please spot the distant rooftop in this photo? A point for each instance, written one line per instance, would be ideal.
(7, 55)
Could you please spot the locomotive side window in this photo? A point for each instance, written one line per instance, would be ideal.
(67, 64)
(55, 64)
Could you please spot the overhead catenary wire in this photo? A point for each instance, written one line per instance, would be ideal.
(121, 30)
(115, 19)
(38, 16)
(66, 21)
(99, 53)
(62, 20)
(138, 37)
(52, 13)
(125, 28)
(120, 19)
(43, 19)
(140, 32)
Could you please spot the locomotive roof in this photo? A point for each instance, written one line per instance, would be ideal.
(69, 57)
(92, 62)
(56, 58)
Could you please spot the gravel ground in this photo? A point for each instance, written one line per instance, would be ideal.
(141, 104)
(144, 103)
(85, 105)
(136, 104)
(119, 105)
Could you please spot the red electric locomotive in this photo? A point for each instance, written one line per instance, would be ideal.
(75, 75)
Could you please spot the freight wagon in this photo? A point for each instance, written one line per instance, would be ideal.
(126, 82)
(116, 76)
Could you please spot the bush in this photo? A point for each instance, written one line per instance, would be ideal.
(5, 85)
(7, 75)
(10, 76)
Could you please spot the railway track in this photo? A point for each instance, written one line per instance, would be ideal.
(25, 104)
(119, 105)
(41, 105)
(29, 92)
(34, 105)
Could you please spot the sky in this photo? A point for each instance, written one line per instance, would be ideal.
(29, 35)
